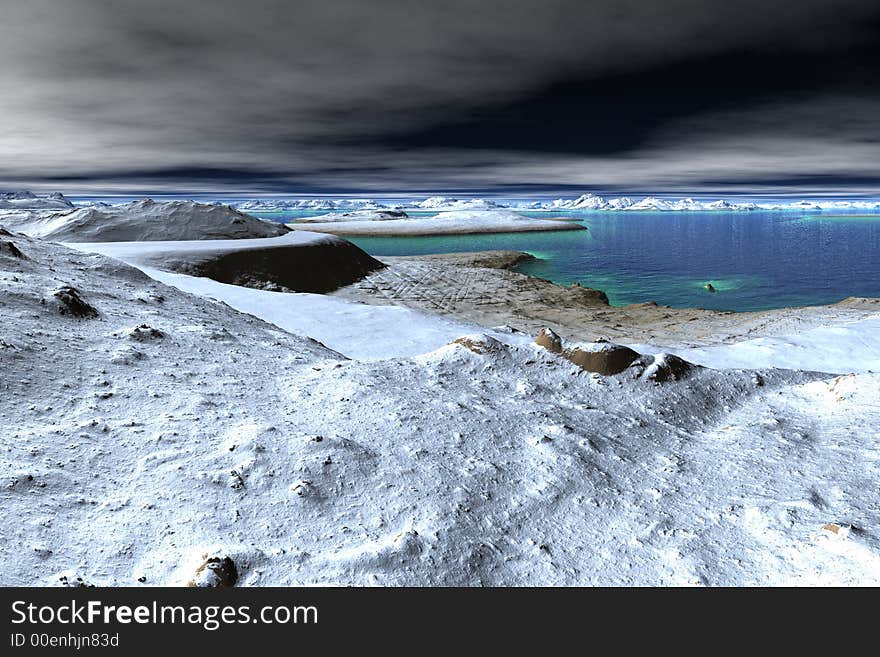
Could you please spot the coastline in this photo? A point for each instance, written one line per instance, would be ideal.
(478, 287)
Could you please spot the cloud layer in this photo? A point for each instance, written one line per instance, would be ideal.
(390, 94)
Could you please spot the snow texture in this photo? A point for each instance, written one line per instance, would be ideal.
(169, 435)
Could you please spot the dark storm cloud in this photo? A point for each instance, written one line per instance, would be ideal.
(289, 94)
(626, 110)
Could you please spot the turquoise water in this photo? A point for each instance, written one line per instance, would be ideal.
(754, 260)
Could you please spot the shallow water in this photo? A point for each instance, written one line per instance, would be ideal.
(753, 260)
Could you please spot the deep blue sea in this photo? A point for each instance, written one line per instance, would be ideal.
(754, 260)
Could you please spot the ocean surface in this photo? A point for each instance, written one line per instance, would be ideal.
(753, 260)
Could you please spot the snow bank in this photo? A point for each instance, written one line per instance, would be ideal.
(357, 330)
(445, 223)
(30, 201)
(853, 347)
(150, 220)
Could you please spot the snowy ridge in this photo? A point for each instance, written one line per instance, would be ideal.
(25, 200)
(280, 205)
(146, 220)
(445, 203)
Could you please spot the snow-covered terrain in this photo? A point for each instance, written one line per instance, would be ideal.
(456, 222)
(155, 419)
(447, 204)
(437, 203)
(280, 205)
(148, 429)
(357, 330)
(355, 215)
(849, 347)
(25, 200)
(655, 204)
(583, 202)
(589, 201)
(145, 220)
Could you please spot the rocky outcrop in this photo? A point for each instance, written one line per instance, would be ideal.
(215, 572)
(548, 339)
(68, 301)
(319, 267)
(663, 367)
(602, 357)
(607, 358)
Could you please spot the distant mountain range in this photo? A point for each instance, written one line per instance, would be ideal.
(591, 202)
(24, 200)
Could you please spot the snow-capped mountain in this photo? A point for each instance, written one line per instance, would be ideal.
(598, 203)
(445, 203)
(584, 202)
(24, 200)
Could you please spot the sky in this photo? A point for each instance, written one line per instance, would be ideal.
(741, 96)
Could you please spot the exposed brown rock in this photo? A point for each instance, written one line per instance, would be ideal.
(612, 359)
(606, 358)
(549, 340)
(478, 346)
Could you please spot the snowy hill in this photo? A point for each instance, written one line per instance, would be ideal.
(30, 201)
(146, 220)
